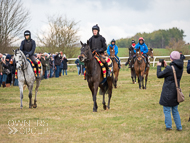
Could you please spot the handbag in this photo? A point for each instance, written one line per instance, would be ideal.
(180, 96)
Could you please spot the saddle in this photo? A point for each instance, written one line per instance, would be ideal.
(99, 59)
(33, 66)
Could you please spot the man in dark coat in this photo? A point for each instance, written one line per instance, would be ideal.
(168, 97)
(28, 47)
(64, 64)
(188, 67)
(57, 61)
(131, 53)
(98, 43)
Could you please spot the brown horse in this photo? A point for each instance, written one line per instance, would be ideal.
(139, 67)
(94, 76)
(150, 55)
(115, 66)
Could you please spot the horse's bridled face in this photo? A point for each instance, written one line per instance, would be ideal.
(18, 60)
(83, 53)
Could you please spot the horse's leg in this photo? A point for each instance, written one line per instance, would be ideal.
(21, 94)
(30, 88)
(142, 76)
(109, 92)
(140, 81)
(116, 79)
(146, 77)
(36, 91)
(132, 76)
(94, 96)
(103, 102)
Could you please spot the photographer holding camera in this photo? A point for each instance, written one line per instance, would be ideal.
(168, 97)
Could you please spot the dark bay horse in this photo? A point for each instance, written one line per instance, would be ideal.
(139, 67)
(133, 75)
(94, 76)
(150, 55)
(115, 66)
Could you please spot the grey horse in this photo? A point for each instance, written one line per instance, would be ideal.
(26, 76)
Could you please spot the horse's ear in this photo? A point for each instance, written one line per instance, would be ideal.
(88, 42)
(81, 43)
(151, 49)
(13, 50)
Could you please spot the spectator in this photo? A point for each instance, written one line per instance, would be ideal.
(182, 57)
(168, 97)
(61, 67)
(57, 61)
(47, 66)
(51, 66)
(78, 66)
(6, 70)
(82, 67)
(65, 64)
(43, 64)
(1, 69)
(188, 67)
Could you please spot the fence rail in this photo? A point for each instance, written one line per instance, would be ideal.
(125, 58)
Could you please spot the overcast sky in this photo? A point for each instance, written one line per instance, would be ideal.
(116, 18)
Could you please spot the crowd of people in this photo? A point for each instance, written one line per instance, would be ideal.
(54, 65)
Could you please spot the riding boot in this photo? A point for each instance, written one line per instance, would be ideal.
(119, 64)
(107, 69)
(126, 63)
(37, 71)
(4, 85)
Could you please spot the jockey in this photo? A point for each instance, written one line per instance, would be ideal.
(98, 43)
(116, 51)
(28, 47)
(143, 48)
(131, 48)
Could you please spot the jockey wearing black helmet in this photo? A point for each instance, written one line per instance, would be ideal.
(98, 43)
(28, 47)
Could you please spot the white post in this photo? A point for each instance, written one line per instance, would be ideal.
(154, 61)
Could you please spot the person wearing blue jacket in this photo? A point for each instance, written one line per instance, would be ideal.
(143, 48)
(116, 51)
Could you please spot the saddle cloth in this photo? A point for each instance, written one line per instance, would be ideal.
(33, 66)
(109, 61)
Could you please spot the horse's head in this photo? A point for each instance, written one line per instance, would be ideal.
(112, 52)
(19, 58)
(85, 52)
(139, 56)
(150, 53)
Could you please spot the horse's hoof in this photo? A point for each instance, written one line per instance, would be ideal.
(30, 106)
(189, 119)
(20, 107)
(104, 107)
(94, 110)
(35, 106)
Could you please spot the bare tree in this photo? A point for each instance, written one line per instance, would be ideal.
(13, 19)
(61, 35)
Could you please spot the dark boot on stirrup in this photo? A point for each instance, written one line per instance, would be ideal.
(37, 70)
(107, 69)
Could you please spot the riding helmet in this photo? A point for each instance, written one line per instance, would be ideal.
(96, 27)
(113, 41)
(141, 38)
(26, 33)
(133, 41)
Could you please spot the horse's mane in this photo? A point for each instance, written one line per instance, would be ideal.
(17, 50)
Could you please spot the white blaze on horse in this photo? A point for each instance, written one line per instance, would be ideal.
(26, 76)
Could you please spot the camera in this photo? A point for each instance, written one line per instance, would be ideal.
(161, 61)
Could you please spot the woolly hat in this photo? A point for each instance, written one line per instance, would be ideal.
(175, 55)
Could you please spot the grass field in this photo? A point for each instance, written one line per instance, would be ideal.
(64, 113)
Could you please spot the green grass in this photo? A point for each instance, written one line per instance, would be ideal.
(66, 105)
